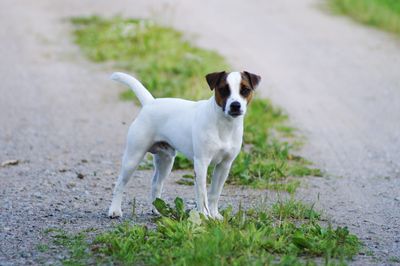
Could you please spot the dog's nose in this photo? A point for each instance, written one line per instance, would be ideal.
(235, 106)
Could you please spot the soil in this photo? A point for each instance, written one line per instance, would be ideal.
(61, 118)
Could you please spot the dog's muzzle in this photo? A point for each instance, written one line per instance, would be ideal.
(234, 109)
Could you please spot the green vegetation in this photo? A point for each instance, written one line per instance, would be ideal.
(42, 247)
(76, 244)
(165, 63)
(384, 14)
(295, 210)
(171, 67)
(252, 237)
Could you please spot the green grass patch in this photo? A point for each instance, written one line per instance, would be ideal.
(394, 259)
(42, 247)
(76, 244)
(164, 61)
(171, 66)
(252, 237)
(383, 14)
(294, 209)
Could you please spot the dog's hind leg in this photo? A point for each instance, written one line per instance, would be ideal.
(129, 165)
(163, 158)
(134, 153)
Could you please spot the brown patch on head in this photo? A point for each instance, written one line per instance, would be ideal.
(217, 81)
(246, 91)
(248, 84)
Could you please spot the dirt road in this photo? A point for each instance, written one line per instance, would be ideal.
(59, 114)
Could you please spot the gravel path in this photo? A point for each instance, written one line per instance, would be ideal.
(60, 116)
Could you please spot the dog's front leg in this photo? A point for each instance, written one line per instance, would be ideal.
(220, 174)
(200, 169)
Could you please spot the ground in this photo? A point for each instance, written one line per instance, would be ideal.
(60, 116)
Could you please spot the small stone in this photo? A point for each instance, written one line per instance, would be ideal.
(9, 162)
(84, 161)
(71, 185)
(62, 170)
(38, 195)
(109, 172)
(80, 175)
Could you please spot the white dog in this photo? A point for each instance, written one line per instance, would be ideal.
(207, 132)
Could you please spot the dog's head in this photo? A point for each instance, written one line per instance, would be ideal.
(233, 91)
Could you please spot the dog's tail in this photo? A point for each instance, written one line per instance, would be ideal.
(141, 92)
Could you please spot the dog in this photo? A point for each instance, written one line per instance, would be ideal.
(206, 132)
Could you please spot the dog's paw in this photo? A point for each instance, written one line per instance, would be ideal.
(217, 216)
(154, 211)
(114, 213)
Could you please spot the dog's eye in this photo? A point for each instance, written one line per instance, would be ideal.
(245, 92)
(224, 91)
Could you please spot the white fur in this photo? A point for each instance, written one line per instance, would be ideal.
(233, 80)
(200, 130)
(143, 95)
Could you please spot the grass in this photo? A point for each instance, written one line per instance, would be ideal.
(164, 61)
(383, 14)
(42, 247)
(293, 209)
(172, 67)
(251, 237)
(394, 259)
(76, 244)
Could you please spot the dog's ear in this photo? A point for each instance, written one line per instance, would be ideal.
(253, 79)
(214, 78)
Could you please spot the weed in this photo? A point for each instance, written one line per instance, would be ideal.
(42, 247)
(186, 182)
(288, 186)
(134, 207)
(76, 244)
(295, 210)
(384, 14)
(394, 259)
(181, 162)
(172, 67)
(251, 237)
(147, 163)
(369, 253)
